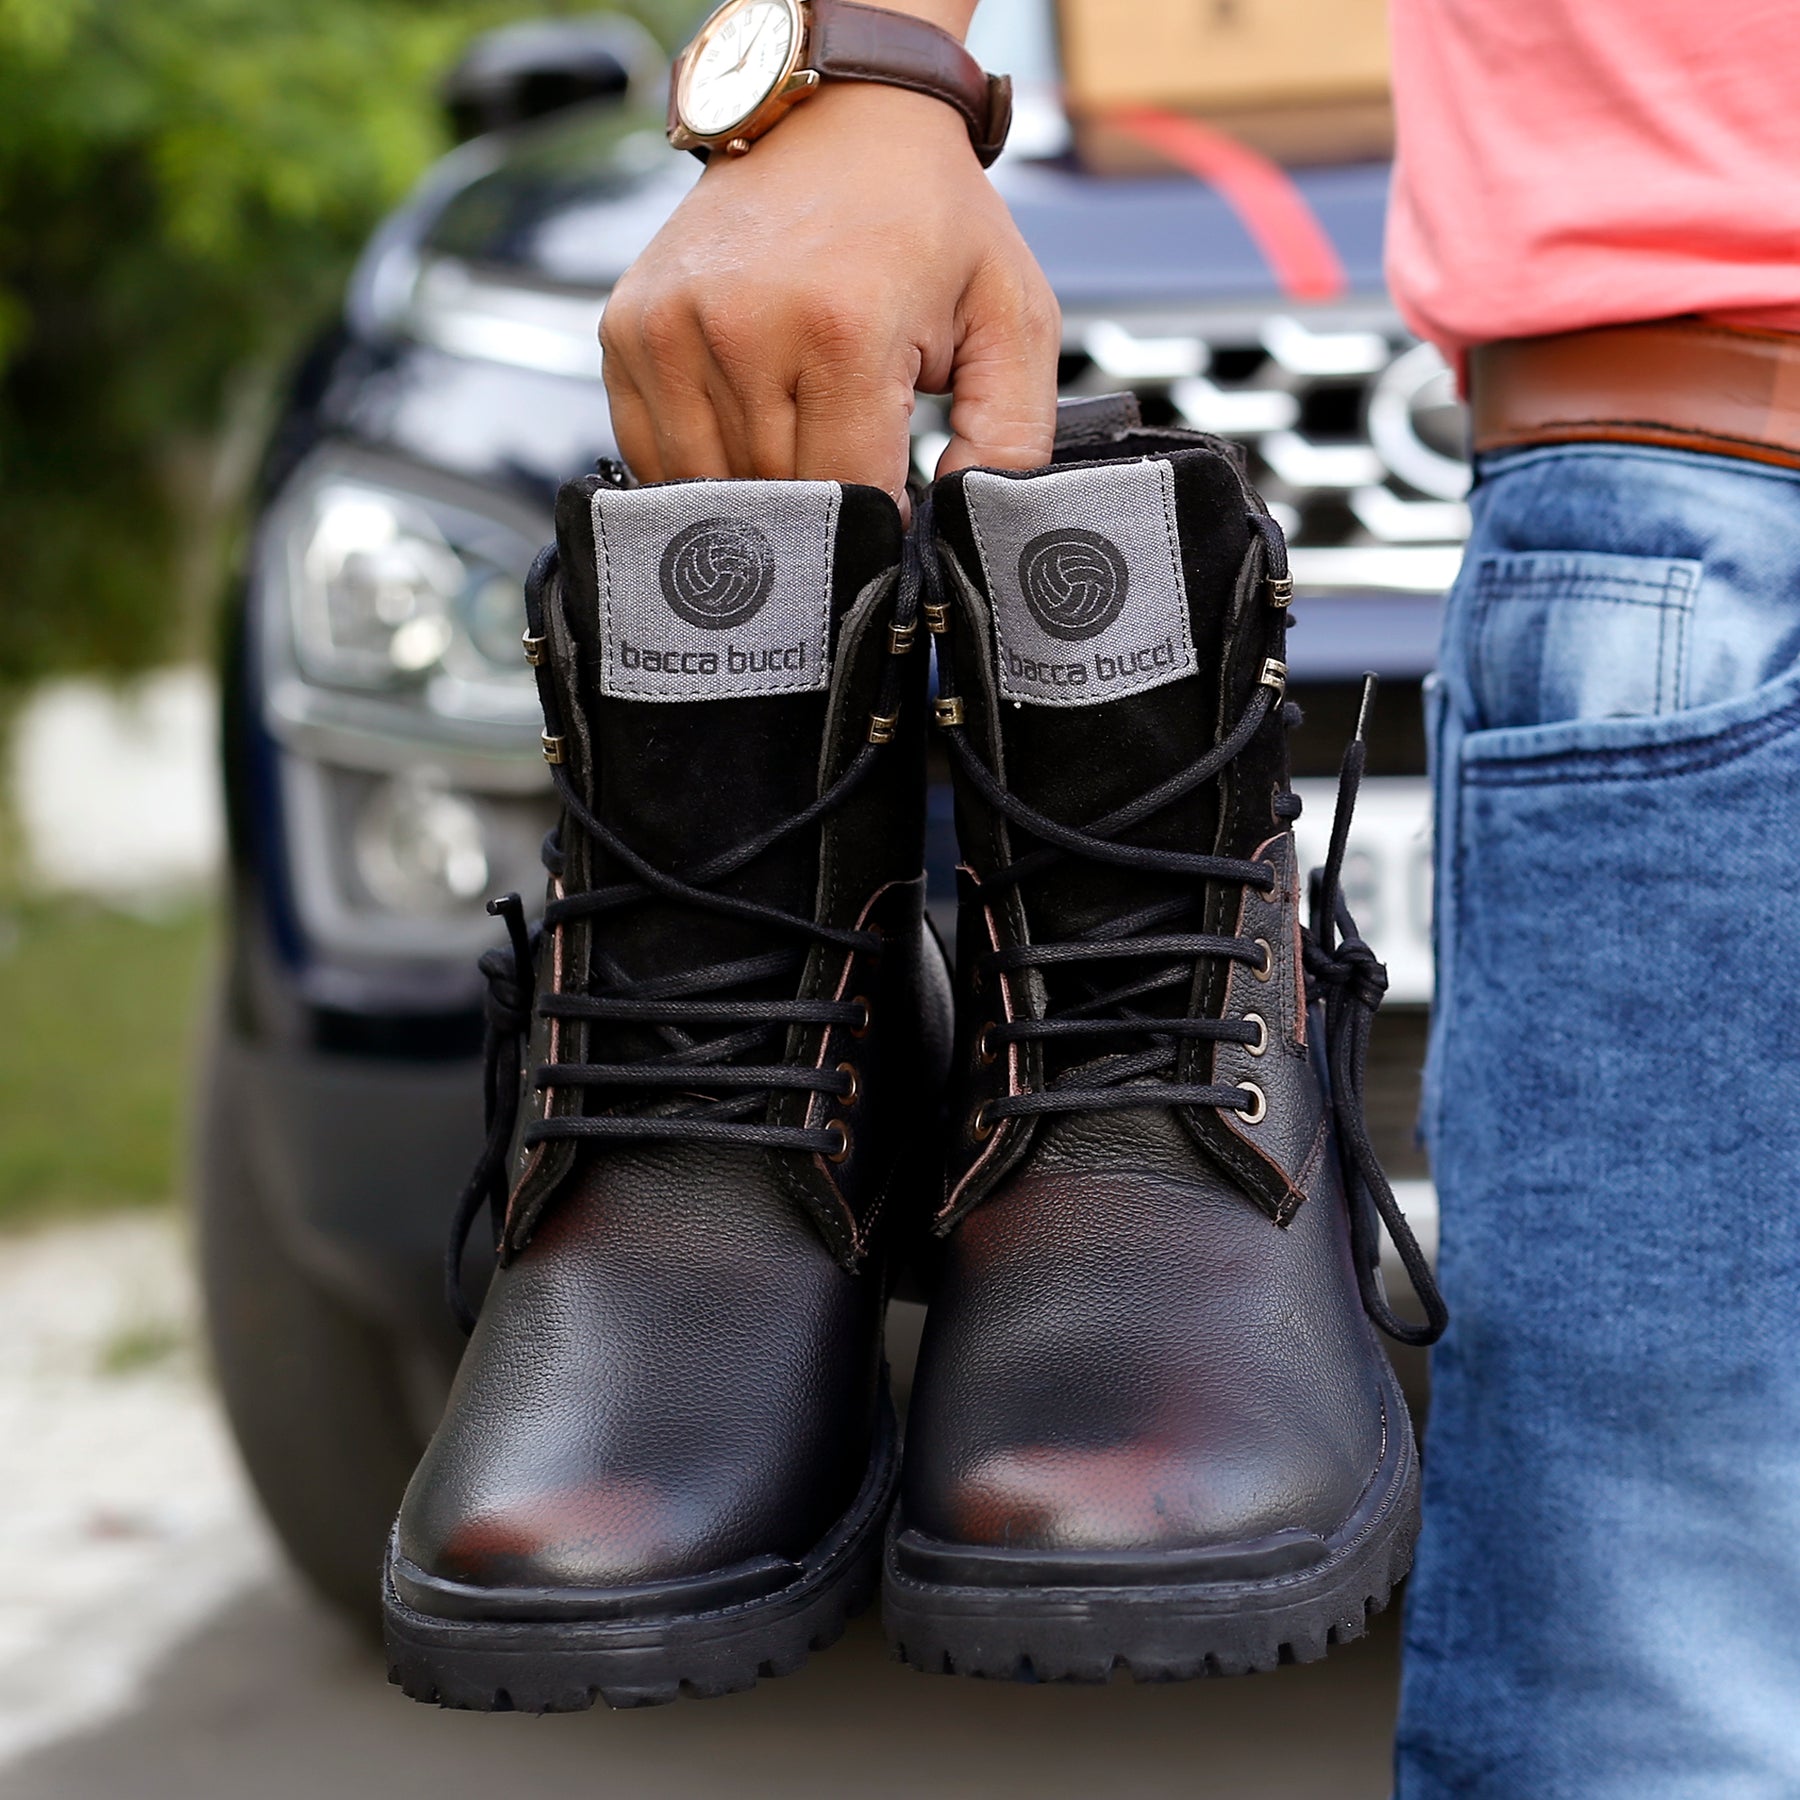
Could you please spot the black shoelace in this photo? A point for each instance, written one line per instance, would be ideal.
(1342, 974)
(697, 1089)
(1345, 976)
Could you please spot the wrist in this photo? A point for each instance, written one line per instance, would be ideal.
(953, 16)
(873, 113)
(852, 134)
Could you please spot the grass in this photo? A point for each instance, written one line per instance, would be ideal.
(145, 1345)
(98, 1019)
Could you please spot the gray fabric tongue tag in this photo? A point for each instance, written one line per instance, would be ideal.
(715, 590)
(1084, 567)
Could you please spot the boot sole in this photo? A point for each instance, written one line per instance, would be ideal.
(1159, 1631)
(566, 1664)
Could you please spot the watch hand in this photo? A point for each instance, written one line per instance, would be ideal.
(755, 39)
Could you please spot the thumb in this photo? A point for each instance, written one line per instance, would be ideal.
(1003, 376)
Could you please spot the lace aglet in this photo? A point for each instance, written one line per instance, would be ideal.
(1371, 681)
(511, 909)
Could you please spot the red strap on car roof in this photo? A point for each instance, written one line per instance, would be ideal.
(1266, 199)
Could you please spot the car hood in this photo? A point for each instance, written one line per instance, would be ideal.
(568, 204)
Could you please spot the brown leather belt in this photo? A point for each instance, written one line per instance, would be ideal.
(1683, 384)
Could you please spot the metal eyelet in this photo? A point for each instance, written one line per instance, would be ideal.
(983, 1048)
(837, 1128)
(981, 1126)
(1262, 1033)
(1272, 894)
(868, 1018)
(849, 1097)
(1262, 1103)
(1268, 961)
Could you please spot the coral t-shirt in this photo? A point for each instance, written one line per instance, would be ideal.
(1567, 163)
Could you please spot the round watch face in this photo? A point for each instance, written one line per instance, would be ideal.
(736, 66)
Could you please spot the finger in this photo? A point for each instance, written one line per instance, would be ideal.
(1003, 379)
(852, 418)
(632, 430)
(757, 438)
(689, 443)
(755, 411)
(666, 361)
(853, 428)
(771, 436)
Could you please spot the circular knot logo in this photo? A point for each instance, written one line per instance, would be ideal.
(1074, 581)
(717, 573)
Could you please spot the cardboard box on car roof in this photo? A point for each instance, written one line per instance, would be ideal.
(1203, 54)
(1304, 80)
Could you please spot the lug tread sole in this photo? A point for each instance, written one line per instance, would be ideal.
(553, 1670)
(1151, 1634)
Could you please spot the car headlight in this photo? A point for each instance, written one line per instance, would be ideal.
(390, 604)
(420, 847)
(389, 594)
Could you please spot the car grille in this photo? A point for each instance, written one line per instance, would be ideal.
(1351, 427)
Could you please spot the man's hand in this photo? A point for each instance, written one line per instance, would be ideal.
(781, 322)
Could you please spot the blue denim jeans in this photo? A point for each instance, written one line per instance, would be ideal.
(1607, 1599)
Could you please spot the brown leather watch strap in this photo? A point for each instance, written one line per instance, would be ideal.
(848, 42)
(1682, 384)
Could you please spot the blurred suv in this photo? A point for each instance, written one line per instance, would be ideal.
(383, 770)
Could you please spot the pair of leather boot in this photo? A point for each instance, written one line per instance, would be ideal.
(735, 1088)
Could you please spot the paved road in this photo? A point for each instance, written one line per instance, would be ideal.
(151, 1647)
(271, 1700)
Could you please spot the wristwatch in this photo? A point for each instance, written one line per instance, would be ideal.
(755, 59)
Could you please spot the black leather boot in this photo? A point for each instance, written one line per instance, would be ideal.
(669, 1451)
(1152, 1426)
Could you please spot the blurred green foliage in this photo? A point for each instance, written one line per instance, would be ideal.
(183, 184)
(73, 975)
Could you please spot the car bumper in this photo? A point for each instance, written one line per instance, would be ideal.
(359, 1161)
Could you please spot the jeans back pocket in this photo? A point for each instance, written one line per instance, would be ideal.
(1569, 634)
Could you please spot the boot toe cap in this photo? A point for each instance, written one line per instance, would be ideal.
(1139, 1495)
(1131, 1361)
(608, 1533)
